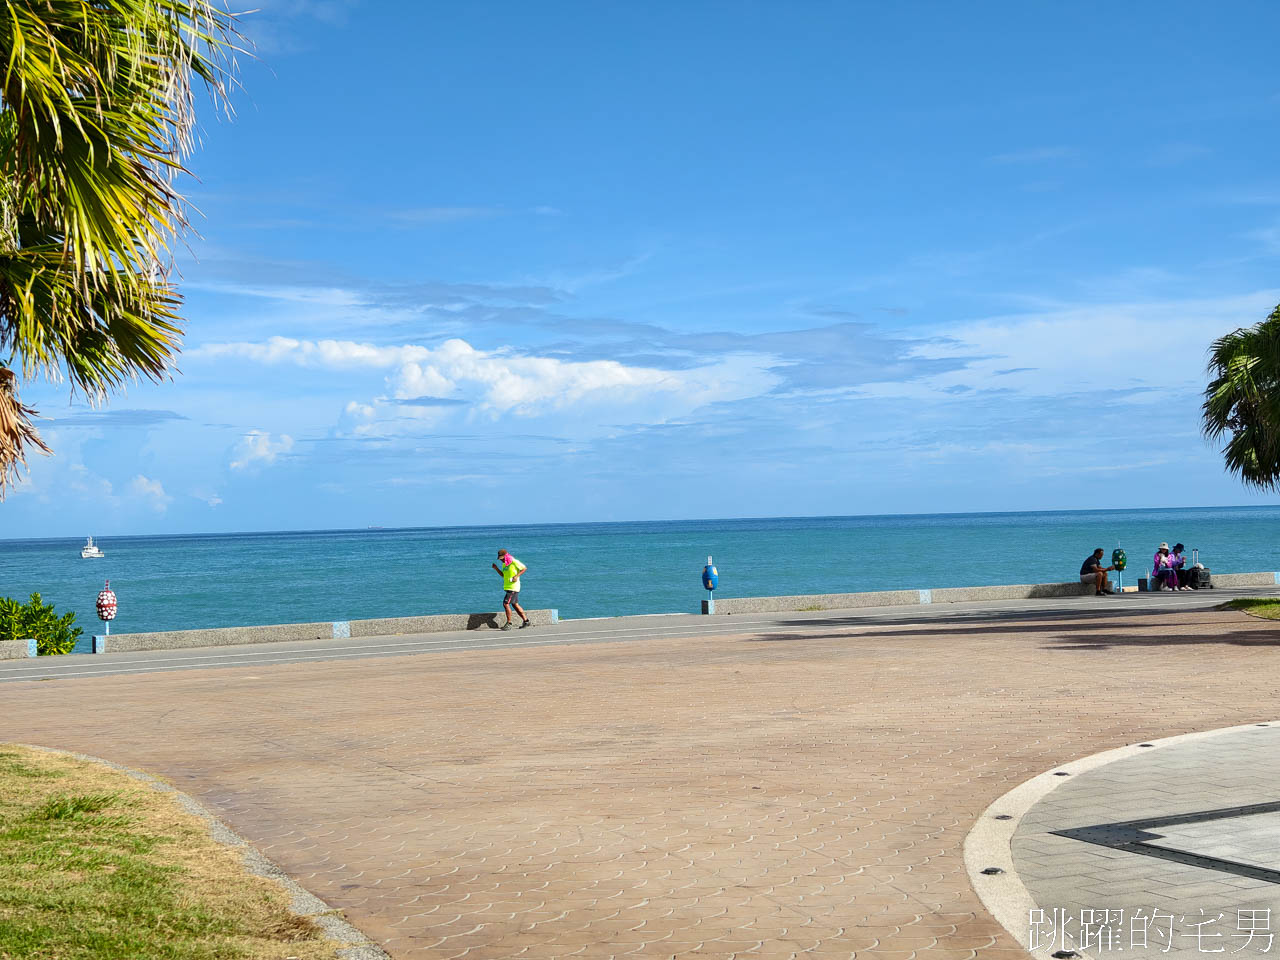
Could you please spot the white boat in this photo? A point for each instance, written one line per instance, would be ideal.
(91, 549)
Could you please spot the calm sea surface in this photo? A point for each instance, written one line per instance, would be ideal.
(601, 569)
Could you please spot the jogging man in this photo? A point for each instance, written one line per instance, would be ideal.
(510, 572)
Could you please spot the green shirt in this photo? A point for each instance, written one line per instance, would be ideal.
(510, 571)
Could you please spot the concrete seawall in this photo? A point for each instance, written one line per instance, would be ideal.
(392, 626)
(323, 630)
(1246, 579)
(16, 649)
(895, 598)
(818, 601)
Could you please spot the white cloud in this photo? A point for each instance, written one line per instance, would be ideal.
(421, 380)
(1036, 155)
(86, 482)
(416, 215)
(150, 490)
(325, 296)
(503, 382)
(205, 494)
(522, 383)
(577, 282)
(1269, 237)
(331, 354)
(256, 446)
(1153, 346)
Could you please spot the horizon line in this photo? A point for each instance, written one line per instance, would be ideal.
(584, 523)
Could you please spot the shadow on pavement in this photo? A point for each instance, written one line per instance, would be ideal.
(1236, 638)
(1057, 630)
(1120, 608)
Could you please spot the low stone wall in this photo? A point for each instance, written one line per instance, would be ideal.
(216, 637)
(439, 624)
(895, 598)
(821, 601)
(1016, 591)
(1246, 579)
(15, 649)
(325, 630)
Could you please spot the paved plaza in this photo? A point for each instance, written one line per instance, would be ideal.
(801, 787)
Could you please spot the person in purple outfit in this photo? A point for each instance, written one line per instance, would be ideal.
(1162, 568)
(1178, 560)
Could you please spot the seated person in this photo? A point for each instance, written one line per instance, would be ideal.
(1162, 570)
(1179, 563)
(1092, 571)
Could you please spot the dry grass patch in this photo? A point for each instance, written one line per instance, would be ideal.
(95, 865)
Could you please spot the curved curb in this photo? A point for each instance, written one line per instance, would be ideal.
(1254, 616)
(354, 944)
(988, 844)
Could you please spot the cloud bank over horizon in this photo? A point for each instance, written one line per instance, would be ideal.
(1029, 401)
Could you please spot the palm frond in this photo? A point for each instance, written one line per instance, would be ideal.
(17, 433)
(97, 114)
(1242, 401)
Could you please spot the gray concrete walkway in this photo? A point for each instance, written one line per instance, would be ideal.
(616, 630)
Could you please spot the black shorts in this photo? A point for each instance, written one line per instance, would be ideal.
(511, 596)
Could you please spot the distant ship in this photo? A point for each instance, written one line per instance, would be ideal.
(375, 528)
(91, 550)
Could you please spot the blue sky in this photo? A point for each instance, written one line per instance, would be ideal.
(503, 262)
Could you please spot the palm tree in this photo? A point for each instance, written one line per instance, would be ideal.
(1243, 401)
(96, 117)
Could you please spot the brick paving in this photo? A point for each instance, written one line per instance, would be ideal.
(803, 794)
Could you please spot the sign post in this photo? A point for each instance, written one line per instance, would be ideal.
(1119, 561)
(710, 580)
(106, 608)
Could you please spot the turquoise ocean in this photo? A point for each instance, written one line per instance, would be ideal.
(601, 569)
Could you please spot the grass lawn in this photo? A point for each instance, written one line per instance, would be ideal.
(1266, 607)
(94, 864)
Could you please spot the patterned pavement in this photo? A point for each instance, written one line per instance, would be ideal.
(793, 795)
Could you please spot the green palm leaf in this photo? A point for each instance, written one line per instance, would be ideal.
(96, 117)
(1242, 401)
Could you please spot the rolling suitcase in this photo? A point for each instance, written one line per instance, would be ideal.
(1199, 578)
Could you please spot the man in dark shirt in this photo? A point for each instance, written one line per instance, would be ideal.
(1092, 571)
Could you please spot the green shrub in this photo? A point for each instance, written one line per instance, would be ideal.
(35, 618)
